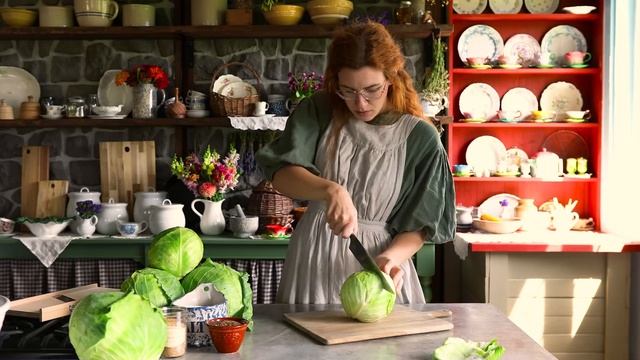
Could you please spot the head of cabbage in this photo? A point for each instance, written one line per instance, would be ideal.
(158, 286)
(232, 284)
(117, 326)
(364, 297)
(177, 250)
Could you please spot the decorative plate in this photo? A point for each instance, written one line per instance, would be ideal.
(484, 153)
(515, 156)
(520, 99)
(505, 6)
(238, 89)
(469, 6)
(480, 97)
(110, 94)
(223, 80)
(566, 144)
(494, 206)
(541, 6)
(561, 97)
(481, 41)
(16, 85)
(525, 47)
(562, 39)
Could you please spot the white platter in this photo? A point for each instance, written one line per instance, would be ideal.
(481, 41)
(16, 85)
(492, 206)
(110, 94)
(541, 6)
(562, 39)
(223, 81)
(480, 97)
(520, 99)
(238, 89)
(525, 47)
(485, 152)
(561, 97)
(469, 6)
(505, 6)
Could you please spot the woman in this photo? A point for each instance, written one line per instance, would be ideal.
(369, 164)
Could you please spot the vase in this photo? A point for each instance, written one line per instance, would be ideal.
(145, 101)
(291, 104)
(211, 219)
(85, 227)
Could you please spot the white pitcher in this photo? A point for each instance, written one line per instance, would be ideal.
(165, 216)
(109, 216)
(83, 195)
(212, 219)
(143, 201)
(85, 227)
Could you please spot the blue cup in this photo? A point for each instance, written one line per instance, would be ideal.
(277, 105)
(462, 169)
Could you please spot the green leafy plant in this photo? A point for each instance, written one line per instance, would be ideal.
(157, 286)
(364, 297)
(436, 81)
(176, 250)
(266, 5)
(455, 348)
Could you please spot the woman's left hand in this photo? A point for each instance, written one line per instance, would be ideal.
(392, 268)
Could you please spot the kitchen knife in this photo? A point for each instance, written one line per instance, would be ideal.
(367, 262)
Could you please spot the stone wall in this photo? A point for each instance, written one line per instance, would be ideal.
(74, 67)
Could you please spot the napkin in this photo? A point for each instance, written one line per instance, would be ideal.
(47, 249)
(461, 247)
(258, 122)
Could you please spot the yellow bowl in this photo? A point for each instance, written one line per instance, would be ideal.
(17, 17)
(329, 7)
(284, 14)
(328, 19)
(504, 226)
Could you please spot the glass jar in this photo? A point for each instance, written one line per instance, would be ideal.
(404, 13)
(176, 319)
(76, 107)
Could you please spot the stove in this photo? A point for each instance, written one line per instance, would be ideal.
(25, 338)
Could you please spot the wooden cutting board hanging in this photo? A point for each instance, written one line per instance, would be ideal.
(52, 198)
(127, 167)
(335, 327)
(35, 168)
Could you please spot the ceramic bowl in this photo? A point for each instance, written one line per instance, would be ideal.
(107, 110)
(227, 334)
(201, 304)
(329, 7)
(7, 226)
(284, 14)
(581, 10)
(5, 304)
(576, 114)
(18, 17)
(47, 230)
(243, 227)
(328, 19)
(505, 226)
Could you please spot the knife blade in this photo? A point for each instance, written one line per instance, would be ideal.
(363, 257)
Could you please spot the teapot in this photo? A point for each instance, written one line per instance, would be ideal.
(547, 165)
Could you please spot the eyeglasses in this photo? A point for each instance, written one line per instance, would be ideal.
(373, 92)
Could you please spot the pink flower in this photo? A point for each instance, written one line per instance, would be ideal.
(207, 190)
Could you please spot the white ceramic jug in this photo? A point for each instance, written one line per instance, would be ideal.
(83, 195)
(165, 216)
(143, 201)
(212, 219)
(109, 216)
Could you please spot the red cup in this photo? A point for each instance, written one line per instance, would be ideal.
(227, 334)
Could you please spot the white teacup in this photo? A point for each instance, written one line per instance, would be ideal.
(131, 228)
(576, 114)
(55, 110)
(261, 108)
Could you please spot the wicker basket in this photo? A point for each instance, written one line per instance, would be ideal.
(267, 201)
(226, 106)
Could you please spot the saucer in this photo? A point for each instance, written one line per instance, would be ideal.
(507, 174)
(579, 66)
(480, 67)
(510, 66)
(474, 120)
(509, 121)
(575, 120)
(545, 66)
(463, 174)
(51, 117)
(113, 117)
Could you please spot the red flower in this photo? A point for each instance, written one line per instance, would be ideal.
(207, 190)
(143, 74)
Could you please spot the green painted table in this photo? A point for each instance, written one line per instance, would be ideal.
(217, 247)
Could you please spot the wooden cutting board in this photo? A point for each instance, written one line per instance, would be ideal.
(335, 327)
(35, 168)
(52, 198)
(127, 167)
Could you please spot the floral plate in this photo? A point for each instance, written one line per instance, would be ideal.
(110, 94)
(238, 90)
(561, 97)
(525, 47)
(505, 6)
(520, 99)
(493, 205)
(16, 85)
(480, 97)
(469, 6)
(562, 39)
(541, 6)
(485, 152)
(481, 41)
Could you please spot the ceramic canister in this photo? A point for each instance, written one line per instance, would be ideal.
(143, 201)
(165, 216)
(109, 216)
(83, 195)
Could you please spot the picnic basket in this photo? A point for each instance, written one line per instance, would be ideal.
(222, 105)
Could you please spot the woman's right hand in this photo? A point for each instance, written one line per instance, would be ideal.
(342, 215)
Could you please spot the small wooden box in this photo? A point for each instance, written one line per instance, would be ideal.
(239, 17)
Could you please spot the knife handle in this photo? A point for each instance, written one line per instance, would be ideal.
(440, 313)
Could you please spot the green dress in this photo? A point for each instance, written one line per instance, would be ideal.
(396, 171)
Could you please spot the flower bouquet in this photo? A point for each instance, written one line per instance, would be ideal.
(87, 209)
(305, 84)
(145, 80)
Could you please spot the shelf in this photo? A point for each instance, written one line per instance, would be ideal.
(202, 32)
(108, 123)
(458, 179)
(523, 17)
(530, 71)
(525, 125)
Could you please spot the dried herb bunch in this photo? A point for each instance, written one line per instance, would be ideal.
(436, 81)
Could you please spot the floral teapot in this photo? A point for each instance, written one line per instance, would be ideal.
(547, 165)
